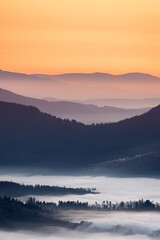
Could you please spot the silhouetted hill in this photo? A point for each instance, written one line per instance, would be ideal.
(17, 215)
(70, 110)
(32, 138)
(12, 189)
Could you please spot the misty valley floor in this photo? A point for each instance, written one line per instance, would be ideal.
(105, 225)
(111, 189)
(112, 226)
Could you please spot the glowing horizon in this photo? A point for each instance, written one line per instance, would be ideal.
(82, 36)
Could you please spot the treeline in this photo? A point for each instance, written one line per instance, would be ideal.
(12, 211)
(16, 214)
(140, 205)
(12, 189)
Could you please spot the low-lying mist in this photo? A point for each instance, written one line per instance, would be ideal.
(113, 226)
(111, 189)
(104, 225)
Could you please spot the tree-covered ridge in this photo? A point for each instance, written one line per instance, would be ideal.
(34, 215)
(32, 138)
(12, 189)
(15, 214)
(11, 208)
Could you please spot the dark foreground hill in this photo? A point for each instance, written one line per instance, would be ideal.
(32, 138)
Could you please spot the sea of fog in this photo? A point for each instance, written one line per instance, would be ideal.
(105, 225)
(111, 189)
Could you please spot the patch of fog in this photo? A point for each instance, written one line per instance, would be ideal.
(111, 189)
(113, 226)
(66, 235)
(121, 223)
(126, 223)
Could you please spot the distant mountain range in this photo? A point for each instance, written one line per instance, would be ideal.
(32, 138)
(82, 86)
(117, 102)
(80, 76)
(100, 77)
(125, 102)
(86, 113)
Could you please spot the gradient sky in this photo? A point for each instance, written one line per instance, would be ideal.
(61, 36)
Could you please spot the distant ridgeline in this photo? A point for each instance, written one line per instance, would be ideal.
(11, 189)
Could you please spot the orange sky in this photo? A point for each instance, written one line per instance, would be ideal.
(60, 36)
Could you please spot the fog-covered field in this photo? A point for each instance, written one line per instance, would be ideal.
(111, 189)
(67, 235)
(105, 225)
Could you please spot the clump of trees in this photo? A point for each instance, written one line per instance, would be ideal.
(140, 205)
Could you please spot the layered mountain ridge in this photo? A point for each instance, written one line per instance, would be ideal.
(32, 138)
(86, 113)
